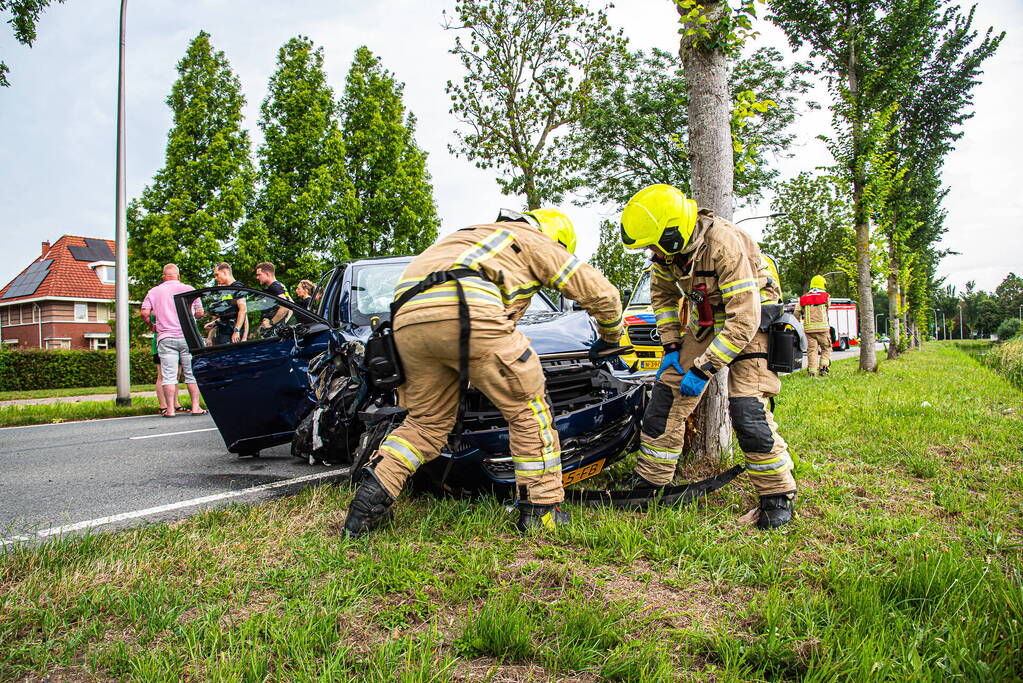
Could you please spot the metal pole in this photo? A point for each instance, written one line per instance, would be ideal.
(960, 322)
(935, 323)
(122, 314)
(944, 327)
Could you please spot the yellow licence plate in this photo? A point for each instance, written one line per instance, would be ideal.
(578, 475)
(649, 364)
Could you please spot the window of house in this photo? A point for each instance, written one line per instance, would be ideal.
(102, 313)
(81, 313)
(99, 344)
(58, 343)
(106, 274)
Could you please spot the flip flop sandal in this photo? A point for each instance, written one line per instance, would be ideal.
(201, 412)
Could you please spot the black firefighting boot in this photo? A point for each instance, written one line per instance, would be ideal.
(536, 516)
(370, 508)
(825, 369)
(776, 510)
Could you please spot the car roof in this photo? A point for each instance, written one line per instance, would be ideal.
(379, 259)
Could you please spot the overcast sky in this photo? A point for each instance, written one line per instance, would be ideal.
(58, 118)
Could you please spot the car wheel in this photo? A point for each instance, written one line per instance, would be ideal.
(844, 346)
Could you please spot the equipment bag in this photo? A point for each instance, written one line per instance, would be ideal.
(383, 365)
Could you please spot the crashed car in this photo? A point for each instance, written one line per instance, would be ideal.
(297, 375)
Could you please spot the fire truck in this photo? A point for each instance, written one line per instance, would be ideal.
(842, 320)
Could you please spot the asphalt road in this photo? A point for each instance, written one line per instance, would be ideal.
(135, 469)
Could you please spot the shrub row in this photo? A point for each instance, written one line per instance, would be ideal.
(36, 369)
(1007, 359)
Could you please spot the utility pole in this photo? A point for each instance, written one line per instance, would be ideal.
(122, 313)
(960, 321)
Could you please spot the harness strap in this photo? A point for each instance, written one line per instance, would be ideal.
(748, 356)
(464, 326)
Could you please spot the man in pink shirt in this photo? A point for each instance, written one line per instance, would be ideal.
(170, 340)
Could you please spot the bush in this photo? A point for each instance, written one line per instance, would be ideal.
(38, 369)
(1007, 360)
(1008, 329)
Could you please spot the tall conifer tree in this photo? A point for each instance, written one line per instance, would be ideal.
(394, 210)
(192, 209)
(305, 196)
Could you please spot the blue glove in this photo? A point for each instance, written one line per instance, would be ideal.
(670, 360)
(693, 382)
(598, 347)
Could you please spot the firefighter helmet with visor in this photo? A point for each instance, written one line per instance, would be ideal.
(661, 216)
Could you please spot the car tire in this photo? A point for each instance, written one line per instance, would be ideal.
(844, 346)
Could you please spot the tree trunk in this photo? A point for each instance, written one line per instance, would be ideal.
(893, 299)
(710, 154)
(861, 221)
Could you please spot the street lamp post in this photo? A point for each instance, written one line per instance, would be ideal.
(121, 280)
(770, 215)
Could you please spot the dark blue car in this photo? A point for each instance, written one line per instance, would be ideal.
(260, 389)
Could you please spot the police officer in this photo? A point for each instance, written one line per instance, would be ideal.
(502, 266)
(812, 310)
(720, 271)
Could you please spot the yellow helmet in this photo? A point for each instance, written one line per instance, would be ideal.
(818, 282)
(658, 215)
(554, 224)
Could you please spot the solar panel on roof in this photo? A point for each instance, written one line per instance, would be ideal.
(29, 281)
(94, 250)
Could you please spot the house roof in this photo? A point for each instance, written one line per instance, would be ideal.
(63, 271)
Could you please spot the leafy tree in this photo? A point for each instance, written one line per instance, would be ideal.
(611, 259)
(1010, 296)
(815, 236)
(306, 196)
(632, 135)
(866, 50)
(1009, 328)
(394, 208)
(531, 69)
(192, 209)
(24, 15)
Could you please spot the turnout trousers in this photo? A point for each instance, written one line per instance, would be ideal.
(504, 367)
(818, 350)
(750, 385)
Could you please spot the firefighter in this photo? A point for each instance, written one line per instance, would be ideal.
(721, 273)
(812, 310)
(502, 265)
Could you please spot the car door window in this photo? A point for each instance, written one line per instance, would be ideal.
(237, 316)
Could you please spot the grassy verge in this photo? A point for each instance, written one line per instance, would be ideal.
(50, 413)
(78, 391)
(904, 564)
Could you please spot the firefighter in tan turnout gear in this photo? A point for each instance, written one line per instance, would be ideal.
(719, 270)
(812, 310)
(502, 265)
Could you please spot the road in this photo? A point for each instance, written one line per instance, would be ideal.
(122, 471)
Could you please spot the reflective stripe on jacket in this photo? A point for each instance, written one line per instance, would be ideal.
(814, 316)
(516, 260)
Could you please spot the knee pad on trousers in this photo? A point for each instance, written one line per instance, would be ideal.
(655, 420)
(750, 423)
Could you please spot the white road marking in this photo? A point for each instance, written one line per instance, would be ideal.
(100, 521)
(78, 422)
(187, 431)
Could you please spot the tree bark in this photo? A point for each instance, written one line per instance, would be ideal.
(861, 221)
(710, 155)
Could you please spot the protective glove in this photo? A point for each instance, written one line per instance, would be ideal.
(597, 348)
(670, 360)
(693, 382)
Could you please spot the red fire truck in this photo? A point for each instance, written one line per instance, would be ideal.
(843, 320)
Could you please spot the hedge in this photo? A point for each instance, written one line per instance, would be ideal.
(58, 369)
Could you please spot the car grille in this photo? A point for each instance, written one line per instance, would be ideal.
(644, 335)
(572, 449)
(570, 386)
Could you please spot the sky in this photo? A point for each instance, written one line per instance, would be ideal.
(57, 157)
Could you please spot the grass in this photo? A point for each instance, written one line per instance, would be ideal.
(50, 413)
(74, 391)
(904, 564)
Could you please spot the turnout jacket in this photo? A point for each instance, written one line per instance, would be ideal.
(812, 309)
(726, 262)
(515, 260)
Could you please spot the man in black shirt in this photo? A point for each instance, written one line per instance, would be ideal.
(275, 314)
(230, 323)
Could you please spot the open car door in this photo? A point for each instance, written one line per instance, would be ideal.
(250, 357)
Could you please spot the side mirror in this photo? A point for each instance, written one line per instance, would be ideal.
(576, 306)
(626, 296)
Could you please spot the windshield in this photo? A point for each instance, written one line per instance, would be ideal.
(373, 290)
(641, 297)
